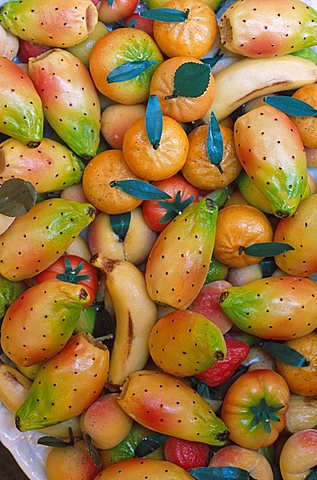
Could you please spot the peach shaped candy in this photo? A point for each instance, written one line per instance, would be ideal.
(141, 468)
(165, 404)
(116, 119)
(253, 462)
(185, 343)
(105, 422)
(299, 455)
(267, 29)
(66, 384)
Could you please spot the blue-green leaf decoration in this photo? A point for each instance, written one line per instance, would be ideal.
(266, 249)
(128, 71)
(191, 80)
(285, 354)
(219, 473)
(170, 15)
(214, 142)
(120, 224)
(140, 189)
(17, 197)
(154, 121)
(212, 61)
(150, 443)
(110, 2)
(291, 106)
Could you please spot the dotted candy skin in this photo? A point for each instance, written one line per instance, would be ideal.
(42, 236)
(165, 404)
(66, 384)
(144, 469)
(275, 308)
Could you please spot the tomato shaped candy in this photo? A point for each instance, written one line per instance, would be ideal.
(159, 213)
(254, 408)
(136, 21)
(110, 11)
(72, 269)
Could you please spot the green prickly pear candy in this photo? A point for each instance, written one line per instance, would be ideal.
(49, 167)
(274, 308)
(35, 240)
(50, 22)
(21, 112)
(66, 384)
(178, 262)
(216, 271)
(38, 324)
(70, 100)
(9, 291)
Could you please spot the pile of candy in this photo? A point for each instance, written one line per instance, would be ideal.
(158, 225)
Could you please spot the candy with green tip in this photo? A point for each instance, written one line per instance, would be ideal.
(49, 167)
(35, 240)
(21, 112)
(70, 100)
(9, 291)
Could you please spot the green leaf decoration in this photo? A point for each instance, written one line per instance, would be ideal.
(170, 15)
(312, 475)
(214, 142)
(219, 473)
(150, 443)
(87, 320)
(291, 106)
(266, 249)
(264, 413)
(17, 197)
(211, 62)
(174, 208)
(56, 442)
(268, 267)
(128, 71)
(132, 23)
(190, 80)
(154, 121)
(141, 190)
(120, 224)
(110, 3)
(285, 354)
(217, 393)
(71, 275)
(93, 452)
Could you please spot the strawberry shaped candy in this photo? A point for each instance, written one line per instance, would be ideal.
(70, 100)
(165, 404)
(300, 231)
(35, 240)
(66, 384)
(271, 151)
(50, 22)
(178, 262)
(276, 308)
(21, 114)
(39, 323)
(49, 167)
(184, 343)
(267, 29)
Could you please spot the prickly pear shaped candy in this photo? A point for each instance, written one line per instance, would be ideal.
(49, 167)
(50, 22)
(140, 468)
(300, 231)
(165, 404)
(70, 100)
(21, 113)
(9, 291)
(178, 262)
(35, 240)
(66, 384)
(185, 343)
(267, 29)
(39, 323)
(271, 151)
(276, 308)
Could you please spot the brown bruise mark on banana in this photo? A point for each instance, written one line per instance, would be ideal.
(260, 89)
